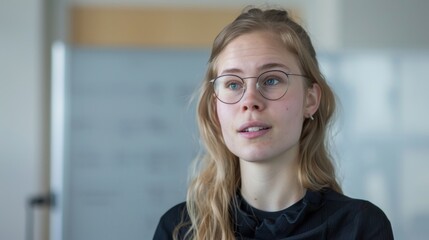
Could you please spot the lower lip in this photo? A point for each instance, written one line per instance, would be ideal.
(256, 134)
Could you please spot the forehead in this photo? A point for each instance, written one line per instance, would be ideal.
(254, 51)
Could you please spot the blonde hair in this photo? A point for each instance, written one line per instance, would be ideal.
(212, 190)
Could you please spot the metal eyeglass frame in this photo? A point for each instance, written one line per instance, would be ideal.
(257, 84)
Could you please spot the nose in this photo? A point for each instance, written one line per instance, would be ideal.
(252, 100)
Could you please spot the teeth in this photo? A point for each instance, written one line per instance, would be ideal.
(253, 129)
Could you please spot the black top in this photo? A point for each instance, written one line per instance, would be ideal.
(319, 215)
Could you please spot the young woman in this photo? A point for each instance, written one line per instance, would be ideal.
(263, 115)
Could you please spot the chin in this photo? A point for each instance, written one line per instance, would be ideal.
(254, 157)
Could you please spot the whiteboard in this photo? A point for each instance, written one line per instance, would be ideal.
(129, 137)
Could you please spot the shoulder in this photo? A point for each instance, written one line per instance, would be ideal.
(359, 207)
(360, 217)
(175, 213)
(169, 220)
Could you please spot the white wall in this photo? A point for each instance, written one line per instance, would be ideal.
(385, 24)
(23, 114)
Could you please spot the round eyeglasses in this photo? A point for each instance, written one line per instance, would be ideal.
(272, 85)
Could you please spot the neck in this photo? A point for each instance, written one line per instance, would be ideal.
(270, 186)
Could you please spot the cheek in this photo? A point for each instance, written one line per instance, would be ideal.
(225, 118)
(292, 109)
(223, 114)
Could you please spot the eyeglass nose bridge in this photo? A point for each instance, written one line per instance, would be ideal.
(245, 83)
(245, 86)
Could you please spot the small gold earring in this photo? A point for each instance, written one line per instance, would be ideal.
(311, 117)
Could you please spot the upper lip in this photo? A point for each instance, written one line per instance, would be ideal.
(252, 124)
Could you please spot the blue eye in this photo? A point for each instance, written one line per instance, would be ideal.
(233, 86)
(271, 82)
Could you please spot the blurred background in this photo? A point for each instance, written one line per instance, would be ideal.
(94, 108)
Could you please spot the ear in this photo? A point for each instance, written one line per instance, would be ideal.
(312, 100)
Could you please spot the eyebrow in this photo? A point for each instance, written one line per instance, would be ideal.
(266, 66)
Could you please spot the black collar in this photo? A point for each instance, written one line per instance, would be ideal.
(251, 223)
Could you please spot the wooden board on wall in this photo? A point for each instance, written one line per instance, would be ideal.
(147, 27)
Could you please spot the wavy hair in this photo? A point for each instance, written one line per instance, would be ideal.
(217, 176)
